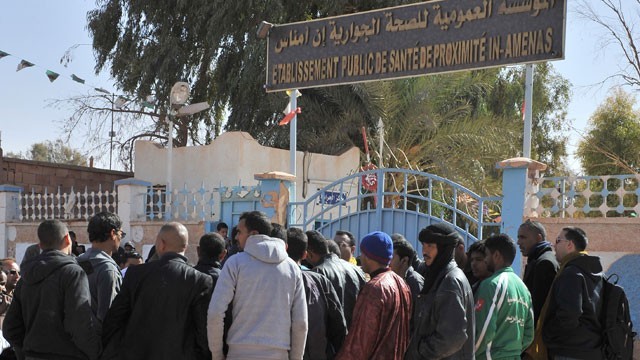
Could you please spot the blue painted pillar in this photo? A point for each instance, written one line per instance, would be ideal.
(9, 212)
(276, 190)
(514, 185)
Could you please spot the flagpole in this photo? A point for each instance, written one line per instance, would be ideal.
(293, 141)
(528, 104)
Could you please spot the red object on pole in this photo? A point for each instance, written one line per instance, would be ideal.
(289, 116)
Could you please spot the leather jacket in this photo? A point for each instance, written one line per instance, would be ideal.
(346, 278)
(444, 319)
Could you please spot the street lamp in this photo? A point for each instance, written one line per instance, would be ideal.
(178, 97)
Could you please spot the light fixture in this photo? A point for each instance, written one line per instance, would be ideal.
(179, 94)
(263, 30)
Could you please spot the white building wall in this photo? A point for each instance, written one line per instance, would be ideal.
(237, 156)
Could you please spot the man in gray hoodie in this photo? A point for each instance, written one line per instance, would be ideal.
(265, 288)
(105, 279)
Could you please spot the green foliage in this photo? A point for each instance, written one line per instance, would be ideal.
(611, 144)
(53, 152)
(456, 125)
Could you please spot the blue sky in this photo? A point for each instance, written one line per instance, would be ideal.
(41, 31)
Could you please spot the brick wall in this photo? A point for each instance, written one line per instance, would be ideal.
(38, 175)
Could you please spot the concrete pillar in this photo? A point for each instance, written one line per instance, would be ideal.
(277, 191)
(9, 212)
(514, 186)
(131, 202)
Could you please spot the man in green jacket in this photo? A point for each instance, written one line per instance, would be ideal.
(504, 313)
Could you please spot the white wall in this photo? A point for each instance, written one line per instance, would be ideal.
(236, 156)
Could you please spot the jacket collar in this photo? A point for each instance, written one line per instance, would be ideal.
(538, 250)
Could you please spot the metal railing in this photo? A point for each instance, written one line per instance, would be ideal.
(73, 205)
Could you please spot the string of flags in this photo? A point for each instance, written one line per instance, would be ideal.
(53, 76)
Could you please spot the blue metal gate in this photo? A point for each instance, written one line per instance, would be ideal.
(399, 201)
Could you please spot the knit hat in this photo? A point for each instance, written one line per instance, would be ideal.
(440, 233)
(377, 246)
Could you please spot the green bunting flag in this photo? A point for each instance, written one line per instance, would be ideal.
(3, 54)
(24, 64)
(77, 79)
(52, 75)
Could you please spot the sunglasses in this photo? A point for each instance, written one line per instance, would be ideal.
(558, 241)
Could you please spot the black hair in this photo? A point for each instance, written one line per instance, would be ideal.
(234, 232)
(298, 242)
(577, 236)
(478, 247)
(221, 225)
(279, 232)
(211, 246)
(503, 244)
(536, 227)
(72, 234)
(257, 221)
(51, 234)
(333, 247)
(317, 243)
(352, 239)
(403, 248)
(101, 224)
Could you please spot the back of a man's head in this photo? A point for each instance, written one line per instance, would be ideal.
(101, 224)
(257, 221)
(297, 243)
(51, 234)
(211, 246)
(279, 232)
(503, 244)
(317, 243)
(174, 237)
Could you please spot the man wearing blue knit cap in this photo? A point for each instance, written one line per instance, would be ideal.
(383, 303)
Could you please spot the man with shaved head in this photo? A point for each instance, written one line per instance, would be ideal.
(161, 310)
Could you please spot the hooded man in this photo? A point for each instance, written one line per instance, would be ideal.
(444, 314)
(380, 325)
(265, 287)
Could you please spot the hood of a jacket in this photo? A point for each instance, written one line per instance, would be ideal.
(96, 257)
(588, 264)
(266, 249)
(44, 265)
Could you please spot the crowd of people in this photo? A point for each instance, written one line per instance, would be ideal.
(268, 292)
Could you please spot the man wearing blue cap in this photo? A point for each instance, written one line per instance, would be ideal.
(383, 303)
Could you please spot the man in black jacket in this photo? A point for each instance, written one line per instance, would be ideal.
(542, 265)
(571, 327)
(161, 309)
(51, 317)
(211, 251)
(347, 279)
(327, 326)
(444, 318)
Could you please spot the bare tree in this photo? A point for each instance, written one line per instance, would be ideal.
(620, 27)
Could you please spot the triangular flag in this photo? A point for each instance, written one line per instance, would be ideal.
(77, 79)
(102, 90)
(289, 117)
(3, 54)
(52, 75)
(24, 64)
